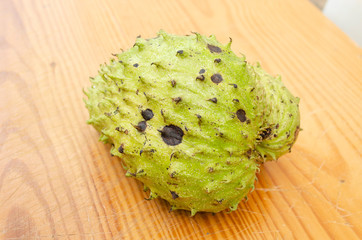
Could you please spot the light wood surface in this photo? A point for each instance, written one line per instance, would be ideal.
(57, 181)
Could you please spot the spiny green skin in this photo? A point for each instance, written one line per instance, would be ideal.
(215, 164)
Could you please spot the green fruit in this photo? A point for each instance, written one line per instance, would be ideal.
(191, 120)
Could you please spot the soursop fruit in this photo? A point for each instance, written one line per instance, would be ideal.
(191, 120)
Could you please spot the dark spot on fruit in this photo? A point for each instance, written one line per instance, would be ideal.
(290, 115)
(120, 61)
(180, 52)
(291, 101)
(117, 129)
(174, 195)
(210, 169)
(202, 71)
(220, 201)
(126, 132)
(248, 121)
(235, 100)
(217, 60)
(200, 77)
(135, 65)
(173, 83)
(121, 149)
(141, 126)
(248, 152)
(252, 89)
(198, 116)
(241, 115)
(214, 49)
(147, 114)
(277, 126)
(177, 99)
(216, 78)
(186, 129)
(265, 133)
(234, 85)
(275, 135)
(172, 135)
(172, 175)
(214, 100)
(141, 152)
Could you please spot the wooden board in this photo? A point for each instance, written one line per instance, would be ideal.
(57, 181)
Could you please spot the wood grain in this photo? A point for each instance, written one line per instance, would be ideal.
(57, 181)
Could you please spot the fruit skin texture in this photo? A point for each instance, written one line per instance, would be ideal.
(191, 120)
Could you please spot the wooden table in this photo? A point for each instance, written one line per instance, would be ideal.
(57, 181)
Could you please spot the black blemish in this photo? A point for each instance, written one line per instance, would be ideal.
(216, 78)
(217, 60)
(241, 115)
(235, 100)
(252, 89)
(220, 201)
(200, 77)
(120, 61)
(172, 135)
(135, 65)
(288, 134)
(210, 169)
(173, 83)
(121, 149)
(202, 71)
(171, 156)
(214, 49)
(147, 114)
(234, 85)
(141, 126)
(249, 152)
(198, 116)
(172, 175)
(117, 129)
(265, 133)
(248, 121)
(186, 129)
(137, 91)
(132, 174)
(174, 195)
(275, 135)
(214, 100)
(177, 99)
(179, 52)
(141, 152)
(277, 126)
